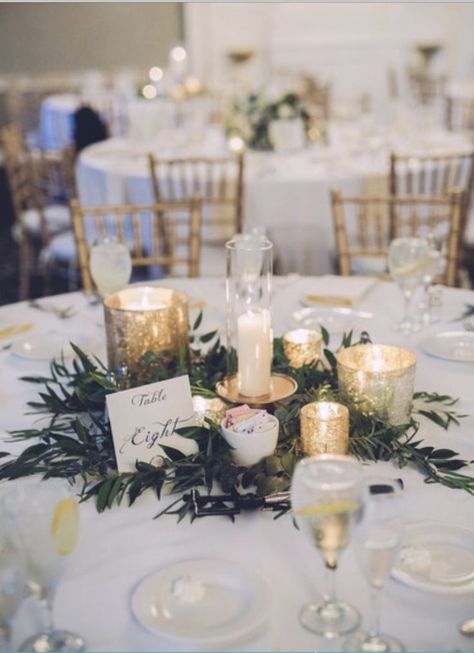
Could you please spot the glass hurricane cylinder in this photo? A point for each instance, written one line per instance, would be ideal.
(378, 380)
(144, 319)
(248, 306)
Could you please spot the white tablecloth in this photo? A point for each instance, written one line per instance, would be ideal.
(57, 120)
(121, 546)
(286, 193)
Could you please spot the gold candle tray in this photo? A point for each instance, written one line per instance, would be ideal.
(282, 387)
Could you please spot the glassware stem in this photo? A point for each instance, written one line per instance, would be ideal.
(375, 613)
(407, 296)
(329, 584)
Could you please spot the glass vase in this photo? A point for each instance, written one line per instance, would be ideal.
(248, 307)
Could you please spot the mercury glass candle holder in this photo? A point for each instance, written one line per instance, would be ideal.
(302, 347)
(211, 407)
(378, 380)
(324, 428)
(144, 319)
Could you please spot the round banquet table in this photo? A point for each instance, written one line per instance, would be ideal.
(57, 120)
(286, 193)
(119, 547)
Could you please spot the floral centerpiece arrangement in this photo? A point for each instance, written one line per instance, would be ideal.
(252, 118)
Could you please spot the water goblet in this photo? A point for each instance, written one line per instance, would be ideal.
(110, 265)
(407, 261)
(327, 495)
(377, 539)
(42, 519)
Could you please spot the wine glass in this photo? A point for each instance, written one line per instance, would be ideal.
(377, 539)
(327, 494)
(42, 521)
(110, 265)
(435, 266)
(407, 260)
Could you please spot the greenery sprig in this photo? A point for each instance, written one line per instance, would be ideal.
(75, 440)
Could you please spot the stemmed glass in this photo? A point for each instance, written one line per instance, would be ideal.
(407, 261)
(435, 266)
(110, 265)
(377, 539)
(327, 495)
(42, 521)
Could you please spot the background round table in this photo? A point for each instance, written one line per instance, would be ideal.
(286, 193)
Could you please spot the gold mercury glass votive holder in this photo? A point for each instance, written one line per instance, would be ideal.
(143, 319)
(324, 428)
(211, 407)
(378, 380)
(302, 347)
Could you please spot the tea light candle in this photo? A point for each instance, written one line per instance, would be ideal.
(324, 428)
(143, 319)
(302, 346)
(254, 352)
(211, 407)
(379, 380)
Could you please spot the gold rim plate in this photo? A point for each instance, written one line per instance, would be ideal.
(282, 387)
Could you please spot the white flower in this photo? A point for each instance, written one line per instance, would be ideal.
(285, 112)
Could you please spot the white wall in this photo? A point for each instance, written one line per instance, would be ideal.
(57, 37)
(350, 44)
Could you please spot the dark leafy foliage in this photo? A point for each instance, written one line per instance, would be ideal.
(76, 440)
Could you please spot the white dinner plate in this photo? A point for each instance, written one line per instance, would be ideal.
(455, 345)
(46, 346)
(233, 603)
(334, 319)
(436, 557)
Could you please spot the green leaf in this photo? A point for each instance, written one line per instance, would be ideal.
(324, 335)
(197, 321)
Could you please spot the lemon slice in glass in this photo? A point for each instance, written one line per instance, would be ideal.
(65, 526)
(327, 508)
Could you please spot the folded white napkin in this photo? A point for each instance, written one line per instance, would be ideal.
(338, 291)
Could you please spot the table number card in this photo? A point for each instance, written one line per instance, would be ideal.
(143, 418)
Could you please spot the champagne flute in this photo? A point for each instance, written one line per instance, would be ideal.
(327, 494)
(407, 260)
(42, 519)
(377, 540)
(110, 265)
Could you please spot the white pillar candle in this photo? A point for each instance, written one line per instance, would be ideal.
(254, 352)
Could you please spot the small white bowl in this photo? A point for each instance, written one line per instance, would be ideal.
(249, 448)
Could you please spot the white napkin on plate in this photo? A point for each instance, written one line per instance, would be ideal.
(338, 291)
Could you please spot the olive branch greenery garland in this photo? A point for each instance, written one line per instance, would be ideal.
(76, 441)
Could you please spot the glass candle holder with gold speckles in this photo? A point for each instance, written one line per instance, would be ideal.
(143, 319)
(378, 380)
(302, 347)
(324, 428)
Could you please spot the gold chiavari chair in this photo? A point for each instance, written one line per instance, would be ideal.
(35, 220)
(433, 175)
(219, 182)
(149, 232)
(363, 229)
(460, 113)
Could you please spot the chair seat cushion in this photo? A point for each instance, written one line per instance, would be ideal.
(58, 218)
(61, 248)
(369, 265)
